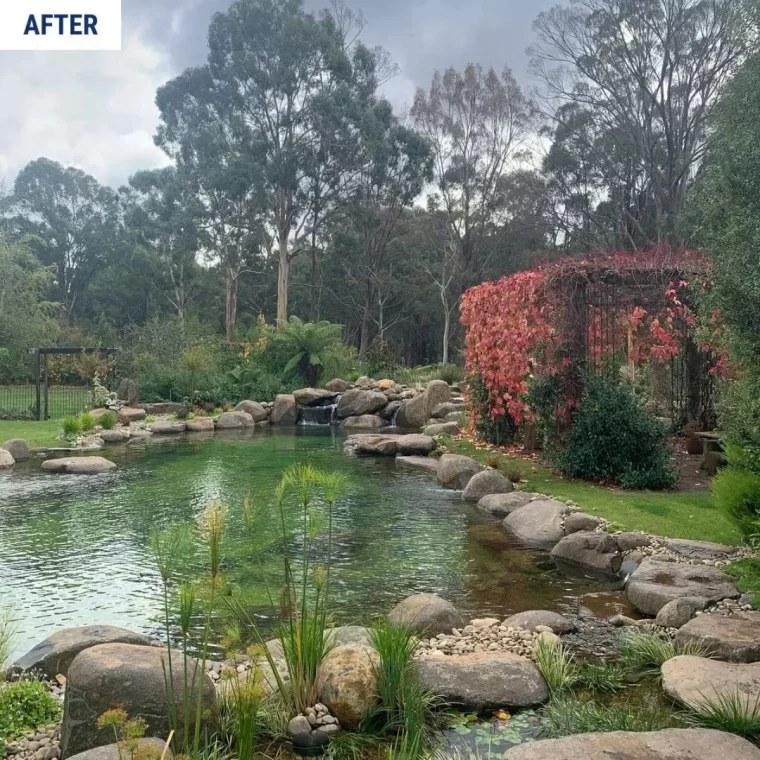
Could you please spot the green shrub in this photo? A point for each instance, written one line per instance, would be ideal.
(25, 705)
(614, 439)
(737, 493)
(450, 373)
(108, 420)
(382, 358)
(545, 399)
(86, 422)
(497, 431)
(512, 472)
(72, 426)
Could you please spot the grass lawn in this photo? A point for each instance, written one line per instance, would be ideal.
(62, 399)
(36, 434)
(665, 513)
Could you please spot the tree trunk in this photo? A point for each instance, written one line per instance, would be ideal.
(446, 331)
(364, 334)
(283, 281)
(230, 315)
(313, 289)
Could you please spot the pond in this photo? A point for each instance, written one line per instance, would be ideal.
(75, 550)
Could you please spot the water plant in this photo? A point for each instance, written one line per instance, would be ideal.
(556, 664)
(600, 676)
(242, 701)
(644, 652)
(108, 420)
(127, 733)
(7, 633)
(734, 712)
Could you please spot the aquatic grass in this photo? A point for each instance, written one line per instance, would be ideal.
(645, 652)
(396, 645)
(242, 701)
(349, 745)
(186, 607)
(734, 712)
(600, 677)
(557, 666)
(7, 636)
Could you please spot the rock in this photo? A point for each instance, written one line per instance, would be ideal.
(371, 445)
(699, 549)
(426, 613)
(631, 540)
(128, 414)
(131, 677)
(165, 407)
(653, 584)
(88, 465)
(735, 638)
(357, 402)
(167, 427)
(389, 411)
(413, 414)
(356, 635)
(484, 483)
(692, 680)
(455, 470)
(6, 459)
(285, 410)
(17, 448)
(442, 428)
(347, 684)
(200, 424)
(531, 619)
(579, 521)
(548, 638)
(539, 523)
(621, 621)
(502, 504)
(363, 422)
(437, 392)
(54, 654)
(483, 680)
(680, 611)
(149, 747)
(256, 410)
(669, 744)
(309, 396)
(440, 411)
(410, 445)
(127, 391)
(430, 464)
(116, 435)
(337, 386)
(234, 421)
(591, 550)
(385, 384)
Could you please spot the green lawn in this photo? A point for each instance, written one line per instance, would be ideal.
(62, 399)
(664, 513)
(36, 434)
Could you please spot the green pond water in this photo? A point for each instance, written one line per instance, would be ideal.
(76, 549)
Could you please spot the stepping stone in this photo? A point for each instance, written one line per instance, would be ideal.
(412, 445)
(367, 444)
(693, 680)
(430, 464)
(167, 427)
(538, 523)
(699, 549)
(590, 550)
(79, 465)
(655, 583)
(530, 619)
(670, 744)
(735, 638)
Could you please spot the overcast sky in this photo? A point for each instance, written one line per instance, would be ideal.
(95, 110)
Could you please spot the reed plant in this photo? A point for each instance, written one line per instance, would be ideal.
(557, 666)
(735, 712)
(645, 652)
(7, 636)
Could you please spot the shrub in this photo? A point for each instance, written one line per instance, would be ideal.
(545, 400)
(737, 493)
(496, 430)
(108, 420)
(614, 439)
(512, 472)
(25, 705)
(86, 422)
(309, 346)
(450, 373)
(382, 358)
(72, 426)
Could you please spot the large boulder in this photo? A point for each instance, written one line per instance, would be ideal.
(413, 413)
(700, 549)
(285, 410)
(17, 448)
(735, 638)
(147, 748)
(455, 470)
(590, 550)
(357, 402)
(503, 504)
(484, 483)
(347, 683)
(414, 444)
(427, 614)
(680, 611)
(115, 435)
(129, 414)
(371, 445)
(441, 428)
(429, 464)
(437, 392)
(363, 422)
(6, 459)
(654, 583)
(579, 521)
(389, 411)
(532, 619)
(440, 411)
(234, 421)
(337, 385)
(483, 680)
(309, 396)
(539, 523)
(128, 392)
(692, 680)
(167, 427)
(670, 744)
(256, 410)
(79, 465)
(54, 654)
(200, 424)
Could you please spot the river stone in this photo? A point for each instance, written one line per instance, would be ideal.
(426, 614)
(357, 402)
(631, 540)
(166, 427)
(483, 680)
(484, 483)
(729, 637)
(127, 676)
(580, 521)
(116, 435)
(337, 385)
(89, 465)
(129, 414)
(234, 421)
(17, 448)
(437, 392)
(680, 611)
(539, 522)
(502, 504)
(347, 683)
(442, 428)
(309, 396)
(355, 635)
(653, 584)
(532, 619)
(285, 410)
(363, 422)
(256, 410)
(691, 680)
(415, 444)
(148, 747)
(6, 459)
(440, 411)
(670, 744)
(455, 470)
(371, 445)
(591, 550)
(413, 414)
(699, 549)
(200, 424)
(54, 654)
(430, 464)
(389, 412)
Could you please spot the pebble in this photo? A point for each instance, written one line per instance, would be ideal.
(487, 636)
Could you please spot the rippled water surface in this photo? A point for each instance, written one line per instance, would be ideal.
(76, 549)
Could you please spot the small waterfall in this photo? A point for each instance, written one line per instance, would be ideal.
(318, 415)
(394, 419)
